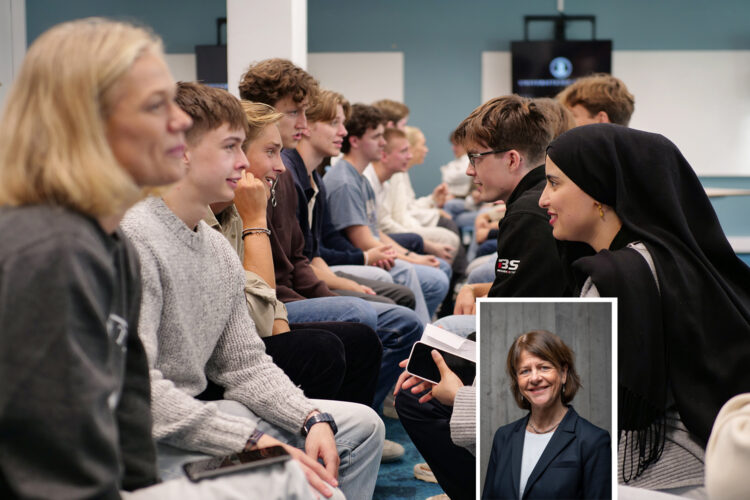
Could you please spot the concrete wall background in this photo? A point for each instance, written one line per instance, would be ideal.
(586, 327)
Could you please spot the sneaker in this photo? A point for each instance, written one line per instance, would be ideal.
(389, 410)
(441, 496)
(424, 473)
(392, 451)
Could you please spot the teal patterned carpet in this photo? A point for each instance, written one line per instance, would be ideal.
(396, 480)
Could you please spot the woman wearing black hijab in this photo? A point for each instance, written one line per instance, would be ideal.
(683, 294)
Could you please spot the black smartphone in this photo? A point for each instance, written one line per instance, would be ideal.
(213, 467)
(423, 366)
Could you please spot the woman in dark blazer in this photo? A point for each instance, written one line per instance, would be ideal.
(552, 452)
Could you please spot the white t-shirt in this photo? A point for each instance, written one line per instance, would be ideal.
(533, 447)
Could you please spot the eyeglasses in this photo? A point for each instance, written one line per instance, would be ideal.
(473, 156)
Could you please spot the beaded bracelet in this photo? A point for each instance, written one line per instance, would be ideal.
(255, 230)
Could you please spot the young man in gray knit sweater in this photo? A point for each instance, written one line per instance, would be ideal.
(195, 327)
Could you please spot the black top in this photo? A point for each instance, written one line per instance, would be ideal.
(528, 263)
(704, 294)
(75, 417)
(575, 464)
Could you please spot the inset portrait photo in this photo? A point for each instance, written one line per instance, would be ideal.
(546, 398)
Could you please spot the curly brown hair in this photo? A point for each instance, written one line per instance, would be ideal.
(271, 80)
(363, 117)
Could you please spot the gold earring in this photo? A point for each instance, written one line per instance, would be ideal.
(601, 210)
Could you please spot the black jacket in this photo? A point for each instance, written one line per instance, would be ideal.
(528, 263)
(574, 465)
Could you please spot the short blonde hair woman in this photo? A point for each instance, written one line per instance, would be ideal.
(56, 142)
(89, 121)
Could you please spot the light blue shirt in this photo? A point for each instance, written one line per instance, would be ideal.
(351, 200)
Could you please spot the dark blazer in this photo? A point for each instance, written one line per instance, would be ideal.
(575, 464)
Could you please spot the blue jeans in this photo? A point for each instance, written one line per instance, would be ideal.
(445, 267)
(369, 272)
(332, 309)
(359, 441)
(455, 207)
(429, 284)
(466, 219)
(484, 272)
(397, 327)
(460, 324)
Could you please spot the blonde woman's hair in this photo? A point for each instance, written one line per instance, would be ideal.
(53, 134)
(258, 116)
(412, 135)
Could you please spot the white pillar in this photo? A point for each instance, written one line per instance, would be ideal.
(262, 29)
(12, 42)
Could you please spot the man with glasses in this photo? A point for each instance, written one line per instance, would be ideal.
(505, 140)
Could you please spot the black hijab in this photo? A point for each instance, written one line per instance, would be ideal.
(700, 345)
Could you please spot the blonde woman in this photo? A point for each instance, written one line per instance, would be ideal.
(89, 123)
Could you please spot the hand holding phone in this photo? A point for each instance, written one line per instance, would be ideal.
(436, 371)
(422, 365)
(244, 460)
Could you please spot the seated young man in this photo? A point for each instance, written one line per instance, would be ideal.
(396, 114)
(506, 139)
(394, 159)
(296, 279)
(332, 360)
(353, 209)
(195, 327)
(454, 176)
(289, 89)
(325, 120)
(599, 98)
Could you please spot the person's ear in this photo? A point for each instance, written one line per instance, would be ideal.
(602, 117)
(564, 373)
(354, 141)
(186, 157)
(515, 160)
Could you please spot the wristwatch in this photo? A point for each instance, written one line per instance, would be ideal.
(319, 417)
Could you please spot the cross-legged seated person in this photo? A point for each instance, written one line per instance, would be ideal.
(195, 327)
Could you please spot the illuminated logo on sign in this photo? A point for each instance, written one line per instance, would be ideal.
(561, 67)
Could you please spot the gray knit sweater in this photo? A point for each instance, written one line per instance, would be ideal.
(463, 421)
(194, 324)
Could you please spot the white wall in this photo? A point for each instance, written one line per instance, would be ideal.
(360, 76)
(12, 42)
(698, 99)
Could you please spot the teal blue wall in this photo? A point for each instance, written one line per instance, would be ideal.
(442, 41)
(182, 24)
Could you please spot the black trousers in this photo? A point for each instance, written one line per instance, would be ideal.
(333, 360)
(428, 426)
